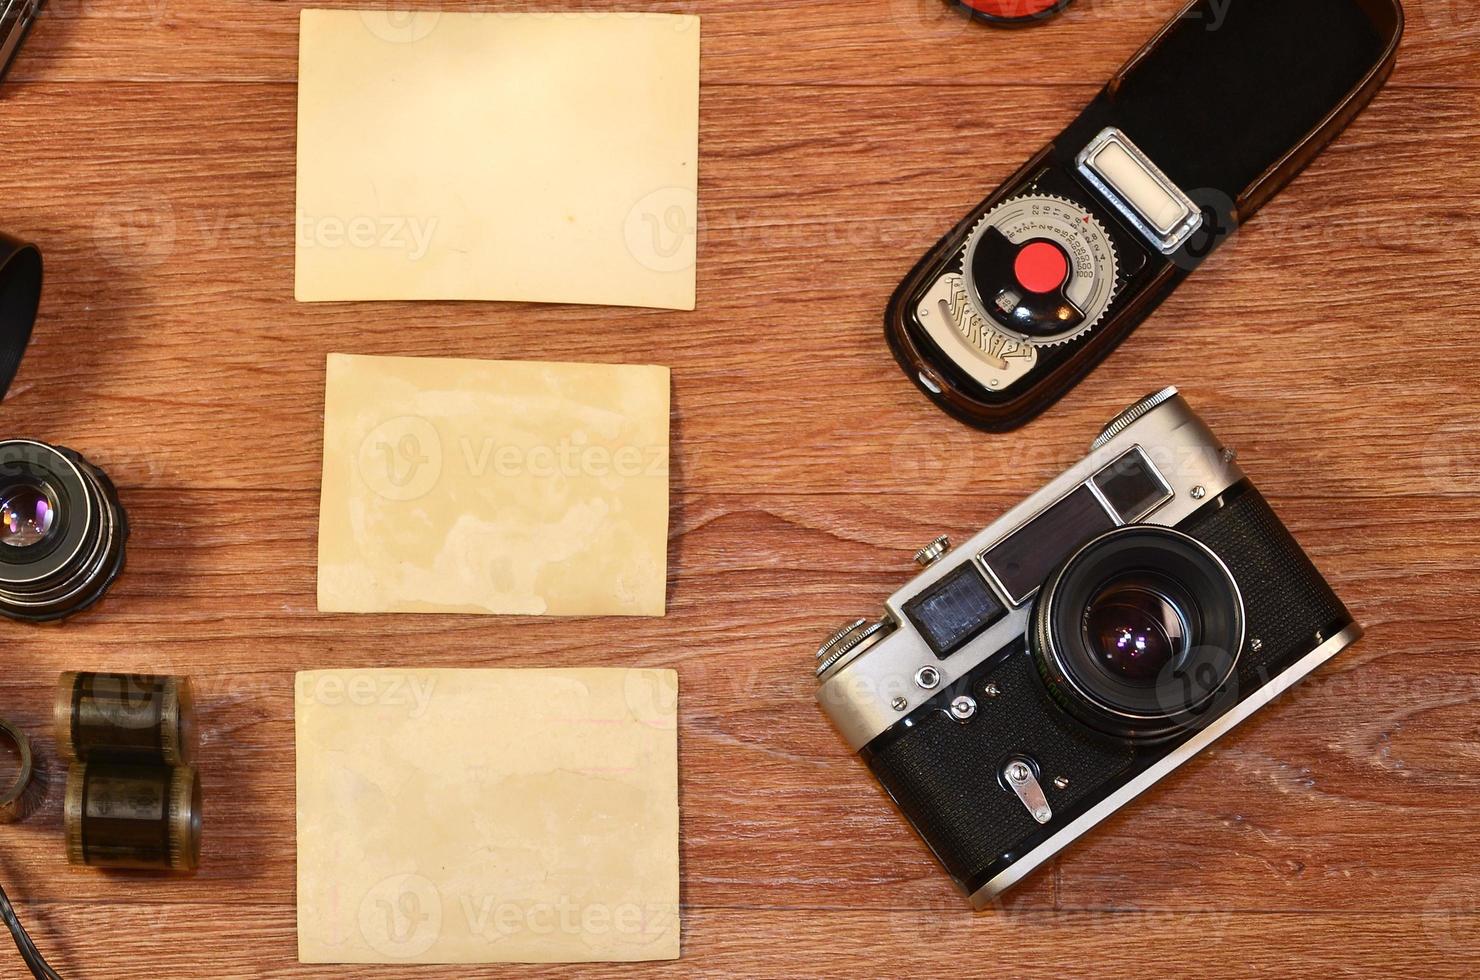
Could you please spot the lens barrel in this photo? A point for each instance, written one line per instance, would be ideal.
(1138, 632)
(62, 531)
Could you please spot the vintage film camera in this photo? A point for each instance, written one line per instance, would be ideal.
(1038, 678)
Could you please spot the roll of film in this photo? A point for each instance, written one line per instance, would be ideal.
(128, 816)
(137, 718)
(133, 798)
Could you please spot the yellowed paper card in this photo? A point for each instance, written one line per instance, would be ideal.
(483, 816)
(470, 486)
(498, 156)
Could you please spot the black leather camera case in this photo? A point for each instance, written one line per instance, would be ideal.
(1044, 278)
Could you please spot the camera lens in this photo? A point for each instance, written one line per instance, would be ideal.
(28, 513)
(1138, 632)
(62, 531)
(1135, 629)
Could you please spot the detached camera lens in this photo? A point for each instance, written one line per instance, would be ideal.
(1138, 632)
(1135, 629)
(62, 531)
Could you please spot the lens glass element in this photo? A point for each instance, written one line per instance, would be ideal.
(28, 513)
(1135, 630)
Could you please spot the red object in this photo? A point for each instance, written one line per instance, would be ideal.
(1010, 9)
(1041, 267)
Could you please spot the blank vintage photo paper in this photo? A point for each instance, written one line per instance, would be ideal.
(487, 816)
(472, 486)
(546, 157)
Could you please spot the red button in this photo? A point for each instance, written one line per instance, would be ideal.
(1011, 9)
(1041, 267)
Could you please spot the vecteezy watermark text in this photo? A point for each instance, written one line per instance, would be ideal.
(404, 458)
(571, 457)
(371, 688)
(400, 233)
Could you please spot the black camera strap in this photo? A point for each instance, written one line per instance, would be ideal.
(16, 17)
(20, 296)
(20, 263)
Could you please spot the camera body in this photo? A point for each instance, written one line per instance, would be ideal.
(1033, 681)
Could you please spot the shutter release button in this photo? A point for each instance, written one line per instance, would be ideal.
(1041, 267)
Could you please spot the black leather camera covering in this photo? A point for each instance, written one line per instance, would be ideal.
(1287, 600)
(943, 775)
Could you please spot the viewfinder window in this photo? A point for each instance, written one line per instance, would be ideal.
(1132, 486)
(955, 610)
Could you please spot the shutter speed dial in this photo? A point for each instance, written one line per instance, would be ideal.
(1040, 268)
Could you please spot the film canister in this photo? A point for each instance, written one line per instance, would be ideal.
(135, 718)
(127, 816)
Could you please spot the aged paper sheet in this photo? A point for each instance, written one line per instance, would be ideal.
(498, 156)
(473, 486)
(479, 816)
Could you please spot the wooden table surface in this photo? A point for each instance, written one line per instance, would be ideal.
(149, 149)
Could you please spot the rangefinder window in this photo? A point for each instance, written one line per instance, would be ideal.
(1132, 486)
(954, 611)
(1022, 560)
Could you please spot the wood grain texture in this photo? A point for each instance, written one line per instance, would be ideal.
(149, 147)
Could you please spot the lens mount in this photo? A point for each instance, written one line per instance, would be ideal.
(1138, 632)
(63, 543)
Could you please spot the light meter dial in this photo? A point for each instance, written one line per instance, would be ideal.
(1041, 269)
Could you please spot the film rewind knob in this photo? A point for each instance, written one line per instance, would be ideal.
(1130, 416)
(933, 552)
(851, 638)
